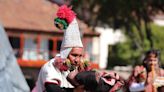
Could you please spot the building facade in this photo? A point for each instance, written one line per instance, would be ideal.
(30, 27)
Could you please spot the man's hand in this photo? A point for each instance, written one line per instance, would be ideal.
(71, 77)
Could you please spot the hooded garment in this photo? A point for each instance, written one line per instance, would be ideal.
(11, 77)
(71, 39)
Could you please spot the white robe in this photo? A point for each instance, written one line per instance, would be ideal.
(50, 74)
(11, 76)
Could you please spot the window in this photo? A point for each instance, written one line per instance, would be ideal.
(15, 42)
(59, 42)
(50, 48)
(50, 45)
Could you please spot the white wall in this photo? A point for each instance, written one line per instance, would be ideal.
(107, 37)
(96, 49)
(159, 22)
(159, 19)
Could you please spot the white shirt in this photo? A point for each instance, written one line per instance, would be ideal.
(50, 74)
(136, 87)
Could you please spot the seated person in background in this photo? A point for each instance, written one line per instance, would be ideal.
(94, 81)
(145, 77)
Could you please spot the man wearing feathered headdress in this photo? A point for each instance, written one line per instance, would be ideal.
(52, 76)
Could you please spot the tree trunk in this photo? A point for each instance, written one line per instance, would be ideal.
(149, 34)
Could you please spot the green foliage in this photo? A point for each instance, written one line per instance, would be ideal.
(124, 54)
(134, 16)
(128, 54)
(158, 37)
(116, 13)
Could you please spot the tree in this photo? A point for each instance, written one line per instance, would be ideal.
(134, 17)
(120, 14)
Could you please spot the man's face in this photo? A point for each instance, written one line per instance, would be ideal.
(75, 55)
(152, 60)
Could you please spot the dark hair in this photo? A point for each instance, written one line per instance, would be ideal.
(103, 87)
(88, 79)
(148, 53)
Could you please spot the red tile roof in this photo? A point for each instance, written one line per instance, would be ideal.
(28, 14)
(32, 15)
